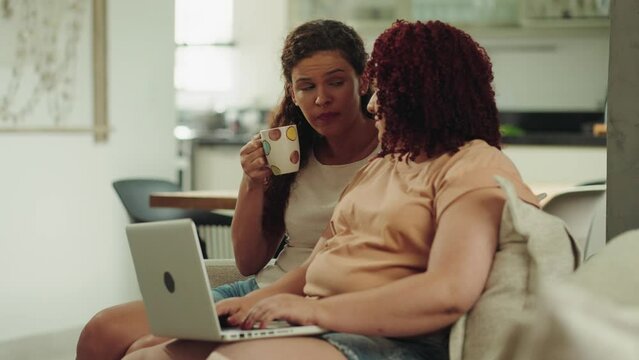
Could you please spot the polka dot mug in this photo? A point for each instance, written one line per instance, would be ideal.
(282, 148)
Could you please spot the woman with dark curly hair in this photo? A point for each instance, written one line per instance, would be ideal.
(411, 241)
(325, 95)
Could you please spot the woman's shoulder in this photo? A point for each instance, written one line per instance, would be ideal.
(473, 160)
(474, 154)
(375, 164)
(474, 167)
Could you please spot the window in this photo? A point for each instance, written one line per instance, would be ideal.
(204, 45)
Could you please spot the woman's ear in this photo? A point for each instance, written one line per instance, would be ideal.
(291, 93)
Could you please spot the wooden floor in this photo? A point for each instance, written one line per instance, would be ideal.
(54, 346)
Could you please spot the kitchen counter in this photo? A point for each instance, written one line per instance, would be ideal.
(237, 140)
(536, 139)
(558, 138)
(566, 139)
(551, 128)
(531, 128)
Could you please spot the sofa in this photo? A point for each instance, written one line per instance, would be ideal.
(540, 301)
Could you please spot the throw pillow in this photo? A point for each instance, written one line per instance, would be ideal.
(572, 322)
(532, 245)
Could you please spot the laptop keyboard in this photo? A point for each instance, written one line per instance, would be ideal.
(277, 324)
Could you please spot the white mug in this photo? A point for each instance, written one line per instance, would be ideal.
(282, 148)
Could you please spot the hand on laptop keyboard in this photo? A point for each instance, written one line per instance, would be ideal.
(224, 321)
(276, 324)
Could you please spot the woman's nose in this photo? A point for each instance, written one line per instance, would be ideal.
(323, 98)
(372, 104)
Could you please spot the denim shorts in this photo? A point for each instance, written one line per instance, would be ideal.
(361, 347)
(234, 289)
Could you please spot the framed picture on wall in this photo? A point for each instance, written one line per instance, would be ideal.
(53, 67)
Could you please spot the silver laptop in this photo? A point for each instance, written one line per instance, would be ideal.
(175, 288)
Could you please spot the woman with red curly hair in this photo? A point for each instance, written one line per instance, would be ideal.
(436, 94)
(411, 242)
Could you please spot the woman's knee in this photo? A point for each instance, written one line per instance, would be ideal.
(96, 340)
(111, 331)
(145, 342)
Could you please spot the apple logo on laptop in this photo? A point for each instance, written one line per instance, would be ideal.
(169, 282)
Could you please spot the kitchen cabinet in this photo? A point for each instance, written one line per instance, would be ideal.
(542, 64)
(371, 17)
(565, 13)
(368, 17)
(217, 167)
(552, 166)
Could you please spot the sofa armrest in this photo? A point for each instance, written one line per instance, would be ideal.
(222, 271)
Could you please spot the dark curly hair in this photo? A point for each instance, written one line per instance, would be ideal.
(301, 43)
(433, 89)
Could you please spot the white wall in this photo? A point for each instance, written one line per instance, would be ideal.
(63, 252)
(549, 69)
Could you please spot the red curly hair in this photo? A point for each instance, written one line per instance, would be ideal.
(433, 89)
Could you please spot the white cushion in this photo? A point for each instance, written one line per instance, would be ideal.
(571, 322)
(532, 245)
(612, 271)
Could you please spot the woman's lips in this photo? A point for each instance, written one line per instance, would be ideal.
(326, 117)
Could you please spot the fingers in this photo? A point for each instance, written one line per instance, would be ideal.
(260, 316)
(278, 307)
(292, 308)
(255, 313)
(254, 144)
(233, 309)
(251, 152)
(237, 318)
(253, 159)
(227, 306)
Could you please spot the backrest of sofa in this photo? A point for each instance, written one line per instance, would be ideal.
(532, 245)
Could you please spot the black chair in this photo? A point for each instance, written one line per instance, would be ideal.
(134, 194)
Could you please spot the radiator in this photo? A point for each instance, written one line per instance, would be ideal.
(218, 241)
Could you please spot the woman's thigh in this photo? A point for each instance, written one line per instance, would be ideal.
(309, 348)
(174, 350)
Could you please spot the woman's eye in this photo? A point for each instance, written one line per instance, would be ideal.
(306, 87)
(337, 82)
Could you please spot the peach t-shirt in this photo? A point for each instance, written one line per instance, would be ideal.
(385, 221)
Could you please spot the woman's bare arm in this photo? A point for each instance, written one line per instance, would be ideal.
(252, 249)
(459, 264)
